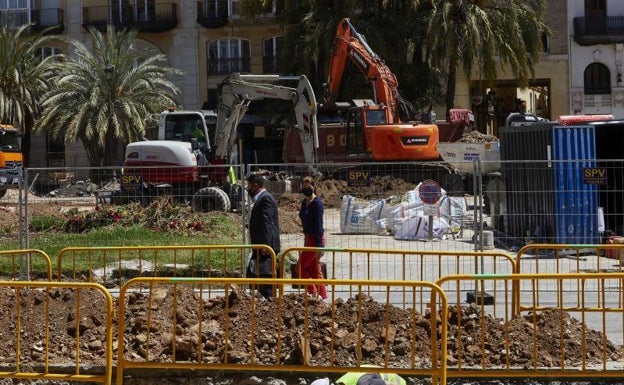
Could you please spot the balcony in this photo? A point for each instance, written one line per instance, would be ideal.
(48, 19)
(154, 18)
(598, 30)
(212, 14)
(219, 67)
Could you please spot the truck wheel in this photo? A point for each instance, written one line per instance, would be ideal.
(210, 199)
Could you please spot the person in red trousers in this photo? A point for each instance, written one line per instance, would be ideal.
(311, 214)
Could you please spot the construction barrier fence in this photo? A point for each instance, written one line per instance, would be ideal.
(585, 304)
(564, 258)
(26, 264)
(401, 265)
(225, 333)
(111, 266)
(378, 204)
(46, 323)
(568, 338)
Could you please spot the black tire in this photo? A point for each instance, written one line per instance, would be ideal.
(3, 192)
(210, 199)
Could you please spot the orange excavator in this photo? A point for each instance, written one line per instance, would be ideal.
(383, 128)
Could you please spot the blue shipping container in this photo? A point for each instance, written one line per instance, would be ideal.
(576, 201)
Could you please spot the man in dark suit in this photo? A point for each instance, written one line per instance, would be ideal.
(263, 230)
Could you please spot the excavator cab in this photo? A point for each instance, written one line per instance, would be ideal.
(355, 132)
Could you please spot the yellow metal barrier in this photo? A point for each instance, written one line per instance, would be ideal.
(24, 265)
(300, 332)
(50, 337)
(565, 339)
(563, 258)
(403, 265)
(114, 265)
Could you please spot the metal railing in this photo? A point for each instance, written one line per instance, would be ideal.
(112, 266)
(399, 265)
(221, 299)
(562, 352)
(69, 300)
(27, 264)
(545, 202)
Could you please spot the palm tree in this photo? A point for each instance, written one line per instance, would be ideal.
(481, 34)
(311, 28)
(106, 96)
(23, 79)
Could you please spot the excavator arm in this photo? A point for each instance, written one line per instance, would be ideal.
(237, 91)
(351, 45)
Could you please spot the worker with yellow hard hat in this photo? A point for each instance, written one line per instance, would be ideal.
(364, 378)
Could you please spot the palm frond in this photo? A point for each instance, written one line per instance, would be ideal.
(104, 95)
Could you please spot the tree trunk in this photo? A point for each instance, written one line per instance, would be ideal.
(451, 82)
(113, 148)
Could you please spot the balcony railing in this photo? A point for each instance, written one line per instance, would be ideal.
(598, 30)
(227, 66)
(49, 19)
(212, 14)
(153, 18)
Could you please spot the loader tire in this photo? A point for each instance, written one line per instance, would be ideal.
(3, 192)
(210, 199)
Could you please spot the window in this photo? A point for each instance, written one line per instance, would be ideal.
(136, 11)
(235, 8)
(269, 54)
(545, 42)
(597, 79)
(145, 10)
(50, 51)
(595, 8)
(229, 55)
(55, 151)
(214, 8)
(15, 13)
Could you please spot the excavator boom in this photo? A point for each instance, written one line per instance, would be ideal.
(237, 91)
(351, 45)
(380, 129)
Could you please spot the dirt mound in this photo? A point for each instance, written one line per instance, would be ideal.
(226, 331)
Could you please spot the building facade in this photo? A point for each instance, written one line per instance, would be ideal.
(548, 93)
(208, 39)
(596, 57)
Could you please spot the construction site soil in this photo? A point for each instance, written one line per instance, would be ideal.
(174, 325)
(61, 304)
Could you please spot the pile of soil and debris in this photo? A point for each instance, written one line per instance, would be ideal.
(226, 331)
(477, 137)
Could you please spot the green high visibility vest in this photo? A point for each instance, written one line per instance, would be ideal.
(351, 378)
